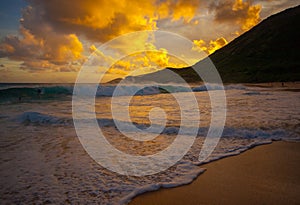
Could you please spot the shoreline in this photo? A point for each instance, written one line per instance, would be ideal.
(265, 174)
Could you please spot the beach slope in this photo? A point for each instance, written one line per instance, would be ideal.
(267, 174)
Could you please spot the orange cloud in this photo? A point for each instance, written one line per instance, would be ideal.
(240, 12)
(71, 49)
(147, 61)
(178, 10)
(50, 29)
(50, 52)
(211, 47)
(101, 20)
(252, 16)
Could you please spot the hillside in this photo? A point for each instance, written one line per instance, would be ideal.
(268, 52)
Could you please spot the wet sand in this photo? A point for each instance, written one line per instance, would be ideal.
(267, 174)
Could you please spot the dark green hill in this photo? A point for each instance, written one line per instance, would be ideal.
(268, 52)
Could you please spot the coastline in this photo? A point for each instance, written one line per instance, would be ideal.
(266, 174)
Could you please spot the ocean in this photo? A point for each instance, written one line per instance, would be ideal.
(43, 161)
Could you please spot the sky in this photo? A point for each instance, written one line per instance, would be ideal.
(48, 41)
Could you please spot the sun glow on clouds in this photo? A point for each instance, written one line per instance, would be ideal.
(211, 47)
(240, 12)
(50, 51)
(58, 35)
(150, 59)
(252, 16)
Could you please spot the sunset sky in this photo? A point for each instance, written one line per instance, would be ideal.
(48, 41)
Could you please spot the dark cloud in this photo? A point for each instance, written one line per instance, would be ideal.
(244, 13)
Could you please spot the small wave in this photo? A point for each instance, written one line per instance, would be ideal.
(247, 133)
(39, 118)
(129, 90)
(251, 93)
(208, 87)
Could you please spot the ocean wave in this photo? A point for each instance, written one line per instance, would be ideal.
(208, 87)
(41, 119)
(23, 94)
(247, 133)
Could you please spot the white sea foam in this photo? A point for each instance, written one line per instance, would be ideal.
(190, 170)
(247, 133)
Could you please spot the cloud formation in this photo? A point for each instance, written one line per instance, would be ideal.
(56, 35)
(242, 13)
(150, 60)
(209, 48)
(50, 30)
(41, 47)
(102, 20)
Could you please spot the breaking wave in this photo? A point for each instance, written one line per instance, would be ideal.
(52, 91)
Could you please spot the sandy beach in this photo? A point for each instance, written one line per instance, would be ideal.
(267, 174)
